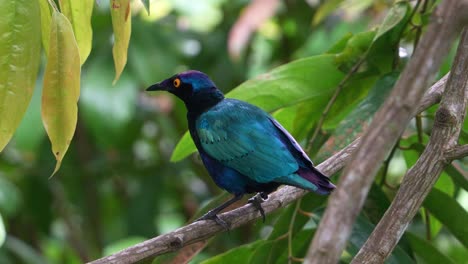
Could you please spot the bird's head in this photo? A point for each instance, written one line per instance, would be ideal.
(193, 87)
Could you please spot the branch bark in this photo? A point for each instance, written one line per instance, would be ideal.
(457, 152)
(200, 231)
(418, 181)
(389, 122)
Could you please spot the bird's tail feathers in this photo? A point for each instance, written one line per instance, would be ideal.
(314, 176)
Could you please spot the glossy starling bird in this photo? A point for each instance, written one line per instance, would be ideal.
(244, 149)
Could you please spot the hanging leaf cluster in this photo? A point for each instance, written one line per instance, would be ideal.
(64, 33)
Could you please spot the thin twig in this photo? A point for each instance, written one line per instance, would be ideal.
(419, 27)
(457, 152)
(427, 220)
(386, 164)
(291, 227)
(54, 6)
(332, 101)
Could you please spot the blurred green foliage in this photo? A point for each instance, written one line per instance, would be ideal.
(117, 186)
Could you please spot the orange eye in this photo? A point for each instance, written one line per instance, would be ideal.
(176, 82)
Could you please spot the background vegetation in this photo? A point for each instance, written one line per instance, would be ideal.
(116, 185)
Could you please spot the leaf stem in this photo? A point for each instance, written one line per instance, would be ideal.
(54, 6)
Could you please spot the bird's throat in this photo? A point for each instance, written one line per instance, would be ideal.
(203, 101)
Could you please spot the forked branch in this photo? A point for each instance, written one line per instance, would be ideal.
(418, 181)
(388, 124)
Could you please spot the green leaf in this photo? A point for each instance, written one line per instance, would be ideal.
(358, 119)
(310, 112)
(79, 13)
(457, 176)
(378, 61)
(445, 185)
(412, 152)
(450, 213)
(376, 204)
(20, 44)
(61, 87)
(359, 86)
(237, 255)
(46, 17)
(384, 49)
(425, 250)
(122, 26)
(354, 89)
(291, 83)
(299, 246)
(412, 148)
(361, 231)
(355, 49)
(184, 148)
(286, 116)
(396, 14)
(464, 133)
(262, 253)
(341, 44)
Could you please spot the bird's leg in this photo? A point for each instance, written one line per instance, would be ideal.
(257, 201)
(213, 214)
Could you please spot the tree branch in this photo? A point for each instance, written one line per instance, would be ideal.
(347, 200)
(199, 231)
(457, 152)
(435, 93)
(419, 180)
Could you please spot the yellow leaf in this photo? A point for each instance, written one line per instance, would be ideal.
(79, 13)
(122, 26)
(20, 46)
(61, 86)
(45, 23)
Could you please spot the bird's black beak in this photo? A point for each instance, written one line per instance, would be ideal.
(156, 87)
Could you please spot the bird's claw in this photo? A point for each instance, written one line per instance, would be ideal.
(257, 201)
(213, 216)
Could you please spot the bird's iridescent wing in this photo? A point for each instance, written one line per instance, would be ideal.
(243, 137)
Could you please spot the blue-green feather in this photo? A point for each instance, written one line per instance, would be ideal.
(241, 136)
